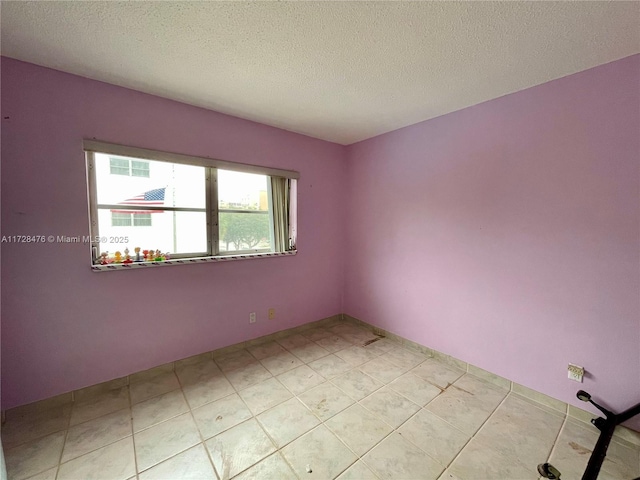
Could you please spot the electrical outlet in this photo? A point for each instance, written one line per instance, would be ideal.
(272, 313)
(252, 317)
(575, 372)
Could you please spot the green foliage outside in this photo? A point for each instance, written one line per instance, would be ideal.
(244, 230)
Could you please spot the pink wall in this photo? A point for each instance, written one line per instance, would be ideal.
(64, 327)
(508, 234)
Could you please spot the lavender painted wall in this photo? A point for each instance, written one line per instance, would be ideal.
(508, 234)
(64, 327)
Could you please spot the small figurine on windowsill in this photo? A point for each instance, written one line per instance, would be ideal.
(150, 256)
(137, 250)
(127, 257)
(103, 258)
(117, 258)
(167, 256)
(158, 257)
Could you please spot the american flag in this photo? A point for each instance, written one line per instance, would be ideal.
(152, 198)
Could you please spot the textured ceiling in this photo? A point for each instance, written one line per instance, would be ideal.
(340, 71)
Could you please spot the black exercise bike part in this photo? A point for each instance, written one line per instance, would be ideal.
(606, 425)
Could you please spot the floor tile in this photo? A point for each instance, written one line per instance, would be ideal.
(625, 455)
(207, 390)
(34, 457)
(434, 436)
(358, 428)
(300, 379)
(239, 448)
(194, 373)
(344, 327)
(368, 391)
(521, 431)
(101, 404)
(20, 429)
(309, 352)
(249, 375)
(319, 451)
(356, 355)
(573, 448)
(465, 410)
(416, 389)
(382, 345)
(325, 400)
(616, 470)
(264, 395)
(158, 409)
(287, 421)
(152, 387)
(358, 471)
(215, 417)
(91, 435)
(316, 334)
(396, 458)
(479, 387)
(359, 337)
(382, 370)
(280, 363)
(333, 343)
(192, 464)
(390, 406)
(272, 467)
(265, 350)
(113, 462)
(438, 373)
(447, 475)
(330, 366)
(46, 475)
(292, 341)
(164, 440)
(356, 384)
(234, 360)
(404, 358)
(480, 457)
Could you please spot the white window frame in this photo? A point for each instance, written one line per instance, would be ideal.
(91, 147)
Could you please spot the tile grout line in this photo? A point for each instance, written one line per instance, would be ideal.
(133, 438)
(64, 443)
(193, 418)
(477, 431)
(555, 441)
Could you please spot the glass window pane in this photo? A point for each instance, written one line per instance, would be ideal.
(244, 231)
(163, 184)
(172, 232)
(141, 219)
(242, 191)
(118, 166)
(120, 219)
(139, 168)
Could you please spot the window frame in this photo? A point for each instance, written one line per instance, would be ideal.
(212, 211)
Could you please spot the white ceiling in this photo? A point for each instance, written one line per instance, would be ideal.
(339, 71)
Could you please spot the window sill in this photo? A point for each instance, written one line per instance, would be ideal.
(186, 261)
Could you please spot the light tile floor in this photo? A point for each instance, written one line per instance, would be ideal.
(316, 405)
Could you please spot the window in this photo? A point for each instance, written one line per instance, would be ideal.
(129, 167)
(130, 219)
(189, 207)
